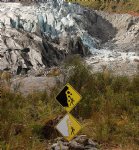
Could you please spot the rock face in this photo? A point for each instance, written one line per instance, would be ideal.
(127, 31)
(38, 36)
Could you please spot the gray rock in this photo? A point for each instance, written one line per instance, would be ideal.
(90, 148)
(81, 139)
(75, 146)
(80, 142)
(62, 147)
(54, 145)
(90, 142)
(27, 85)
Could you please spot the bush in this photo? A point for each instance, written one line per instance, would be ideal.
(111, 103)
(22, 118)
(109, 109)
(122, 6)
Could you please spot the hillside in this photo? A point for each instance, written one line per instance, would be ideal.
(119, 6)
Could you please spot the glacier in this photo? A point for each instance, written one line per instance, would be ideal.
(52, 19)
(40, 36)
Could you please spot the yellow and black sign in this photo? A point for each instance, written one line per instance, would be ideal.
(68, 127)
(68, 97)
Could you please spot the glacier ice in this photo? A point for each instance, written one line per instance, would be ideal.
(28, 27)
(50, 18)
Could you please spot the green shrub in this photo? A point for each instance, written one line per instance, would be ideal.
(111, 102)
(109, 109)
(122, 6)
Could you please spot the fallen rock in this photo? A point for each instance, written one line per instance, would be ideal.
(90, 143)
(80, 142)
(136, 60)
(88, 147)
(81, 139)
(59, 146)
(75, 146)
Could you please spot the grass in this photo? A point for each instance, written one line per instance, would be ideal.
(109, 110)
(119, 6)
(110, 105)
(21, 118)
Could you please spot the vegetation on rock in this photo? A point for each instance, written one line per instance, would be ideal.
(119, 6)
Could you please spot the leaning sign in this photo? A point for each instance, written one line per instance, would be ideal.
(68, 126)
(68, 97)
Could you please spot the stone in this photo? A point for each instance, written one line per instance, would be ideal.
(81, 139)
(80, 142)
(136, 60)
(89, 142)
(75, 146)
(90, 148)
(59, 147)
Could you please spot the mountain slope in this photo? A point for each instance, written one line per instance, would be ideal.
(119, 6)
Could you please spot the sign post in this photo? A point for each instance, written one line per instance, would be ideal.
(68, 126)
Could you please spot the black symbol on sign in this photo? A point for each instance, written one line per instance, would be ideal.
(72, 131)
(70, 99)
(62, 97)
(65, 98)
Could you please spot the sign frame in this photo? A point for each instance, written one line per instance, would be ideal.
(75, 92)
(68, 114)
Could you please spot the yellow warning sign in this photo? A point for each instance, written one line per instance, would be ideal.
(68, 97)
(68, 127)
